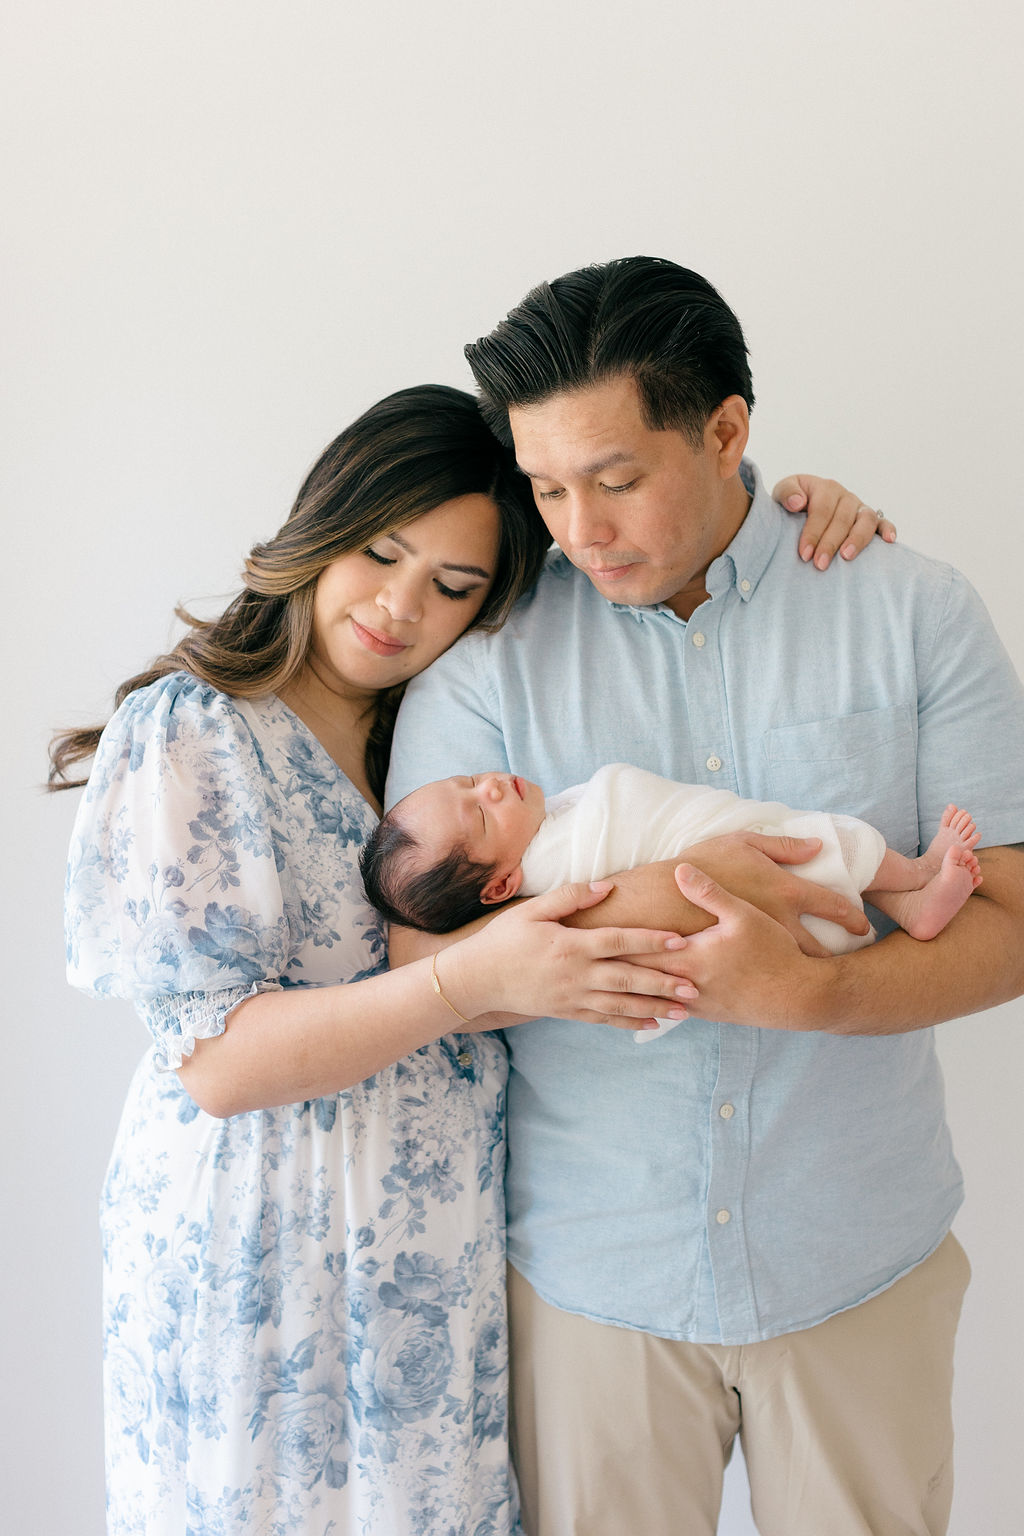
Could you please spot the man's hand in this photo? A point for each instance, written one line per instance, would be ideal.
(745, 959)
(748, 864)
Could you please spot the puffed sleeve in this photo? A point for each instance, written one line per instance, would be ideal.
(174, 898)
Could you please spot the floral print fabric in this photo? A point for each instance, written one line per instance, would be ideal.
(304, 1307)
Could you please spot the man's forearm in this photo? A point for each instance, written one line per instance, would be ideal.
(748, 972)
(902, 984)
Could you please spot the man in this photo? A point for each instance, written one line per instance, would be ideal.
(744, 1228)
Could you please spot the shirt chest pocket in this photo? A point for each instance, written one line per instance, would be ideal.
(864, 765)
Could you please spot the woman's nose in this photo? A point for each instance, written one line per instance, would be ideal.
(402, 600)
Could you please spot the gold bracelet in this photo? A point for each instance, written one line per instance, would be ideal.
(437, 988)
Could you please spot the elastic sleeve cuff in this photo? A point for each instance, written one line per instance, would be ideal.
(176, 1020)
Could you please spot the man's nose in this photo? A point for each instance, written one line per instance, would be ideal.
(491, 786)
(589, 522)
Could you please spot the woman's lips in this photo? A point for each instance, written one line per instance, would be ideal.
(374, 640)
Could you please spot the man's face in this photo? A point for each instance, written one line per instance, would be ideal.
(641, 512)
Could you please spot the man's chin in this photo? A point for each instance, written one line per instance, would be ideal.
(632, 586)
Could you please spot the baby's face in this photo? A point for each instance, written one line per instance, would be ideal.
(493, 816)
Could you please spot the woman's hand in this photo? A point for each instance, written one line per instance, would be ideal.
(836, 518)
(525, 963)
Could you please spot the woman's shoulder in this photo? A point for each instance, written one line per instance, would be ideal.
(182, 707)
(177, 719)
(179, 695)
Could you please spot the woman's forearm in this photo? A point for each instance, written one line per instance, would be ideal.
(307, 1042)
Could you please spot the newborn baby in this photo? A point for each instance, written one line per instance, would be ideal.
(455, 848)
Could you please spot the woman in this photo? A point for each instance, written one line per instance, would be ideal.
(303, 1231)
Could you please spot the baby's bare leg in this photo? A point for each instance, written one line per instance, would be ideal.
(925, 893)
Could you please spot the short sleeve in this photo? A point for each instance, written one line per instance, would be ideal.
(970, 721)
(173, 895)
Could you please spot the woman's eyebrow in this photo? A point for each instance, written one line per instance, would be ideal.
(446, 565)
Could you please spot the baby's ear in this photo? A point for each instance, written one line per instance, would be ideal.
(502, 887)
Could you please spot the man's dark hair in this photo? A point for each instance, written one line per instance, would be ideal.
(640, 316)
(435, 900)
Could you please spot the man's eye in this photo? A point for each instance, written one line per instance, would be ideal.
(372, 554)
(548, 495)
(617, 490)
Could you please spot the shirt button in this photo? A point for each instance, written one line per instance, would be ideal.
(698, 640)
(714, 763)
(727, 1111)
(744, 585)
(722, 1217)
(465, 1058)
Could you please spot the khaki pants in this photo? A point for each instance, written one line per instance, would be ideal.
(845, 1427)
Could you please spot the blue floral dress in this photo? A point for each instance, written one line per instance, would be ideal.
(304, 1307)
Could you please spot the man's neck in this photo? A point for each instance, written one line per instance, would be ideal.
(737, 504)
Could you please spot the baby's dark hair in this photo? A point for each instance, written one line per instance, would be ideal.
(434, 900)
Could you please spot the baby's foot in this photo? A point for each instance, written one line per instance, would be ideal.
(927, 911)
(956, 830)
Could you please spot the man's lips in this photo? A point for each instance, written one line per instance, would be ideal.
(517, 785)
(376, 641)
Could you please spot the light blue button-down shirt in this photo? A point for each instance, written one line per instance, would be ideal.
(728, 1184)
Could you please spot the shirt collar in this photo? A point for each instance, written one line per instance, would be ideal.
(745, 561)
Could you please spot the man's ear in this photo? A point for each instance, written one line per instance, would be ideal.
(727, 432)
(501, 888)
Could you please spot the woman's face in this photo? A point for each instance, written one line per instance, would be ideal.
(383, 614)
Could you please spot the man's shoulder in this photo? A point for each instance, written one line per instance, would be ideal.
(892, 571)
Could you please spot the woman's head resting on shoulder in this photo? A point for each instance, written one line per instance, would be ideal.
(422, 460)
(410, 454)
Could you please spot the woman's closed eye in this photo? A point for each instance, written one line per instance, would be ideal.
(456, 594)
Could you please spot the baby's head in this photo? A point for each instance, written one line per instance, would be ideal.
(449, 851)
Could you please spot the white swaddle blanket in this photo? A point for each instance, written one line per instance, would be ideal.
(625, 816)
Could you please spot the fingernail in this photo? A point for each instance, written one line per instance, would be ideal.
(822, 562)
(890, 538)
(676, 1013)
(806, 551)
(688, 991)
(602, 885)
(848, 551)
(676, 942)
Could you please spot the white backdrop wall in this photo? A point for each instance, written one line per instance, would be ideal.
(231, 227)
